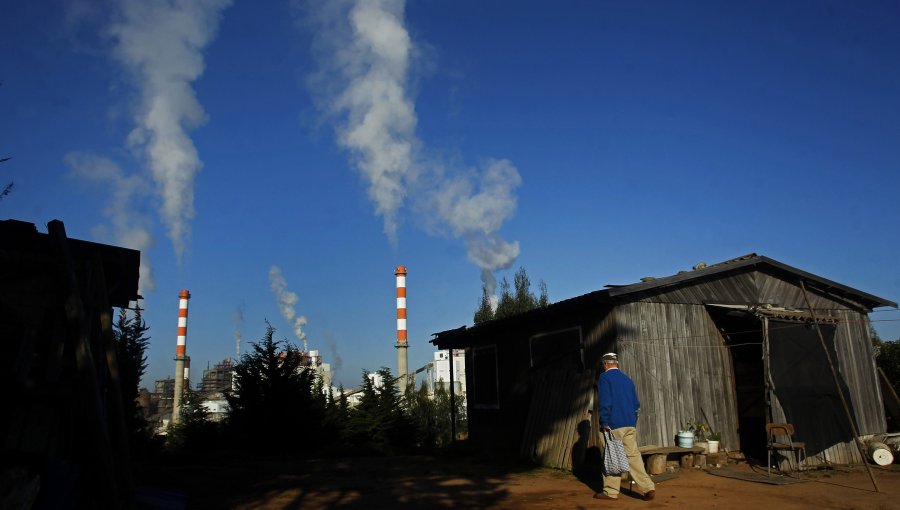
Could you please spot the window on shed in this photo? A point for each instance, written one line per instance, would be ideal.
(561, 347)
(485, 382)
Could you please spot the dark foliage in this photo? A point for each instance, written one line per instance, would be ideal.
(194, 432)
(431, 415)
(379, 423)
(484, 312)
(131, 347)
(887, 358)
(273, 409)
(9, 187)
(514, 299)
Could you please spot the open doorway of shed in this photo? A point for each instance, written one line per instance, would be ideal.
(742, 332)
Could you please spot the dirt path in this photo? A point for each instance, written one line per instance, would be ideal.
(421, 482)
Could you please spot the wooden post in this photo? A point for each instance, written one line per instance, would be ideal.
(837, 386)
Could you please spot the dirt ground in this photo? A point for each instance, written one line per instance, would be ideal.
(442, 483)
(436, 483)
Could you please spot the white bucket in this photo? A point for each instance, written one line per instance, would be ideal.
(880, 453)
(686, 439)
(713, 446)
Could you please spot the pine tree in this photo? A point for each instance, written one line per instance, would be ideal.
(506, 305)
(194, 432)
(272, 404)
(544, 299)
(519, 299)
(131, 346)
(379, 422)
(484, 312)
(524, 299)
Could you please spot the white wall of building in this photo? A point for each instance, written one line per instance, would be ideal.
(442, 369)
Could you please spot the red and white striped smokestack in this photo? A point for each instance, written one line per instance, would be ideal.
(180, 350)
(400, 273)
(180, 347)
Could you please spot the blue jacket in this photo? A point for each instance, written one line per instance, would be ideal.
(618, 399)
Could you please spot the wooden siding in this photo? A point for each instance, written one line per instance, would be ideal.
(855, 362)
(681, 368)
(557, 430)
(672, 348)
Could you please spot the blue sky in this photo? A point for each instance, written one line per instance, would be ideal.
(592, 143)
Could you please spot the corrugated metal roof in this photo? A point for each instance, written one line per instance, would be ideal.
(750, 260)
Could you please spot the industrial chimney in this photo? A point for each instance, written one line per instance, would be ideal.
(400, 273)
(180, 358)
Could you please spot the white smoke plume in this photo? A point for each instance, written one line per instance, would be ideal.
(238, 326)
(337, 361)
(129, 228)
(161, 43)
(365, 47)
(366, 53)
(287, 301)
(475, 206)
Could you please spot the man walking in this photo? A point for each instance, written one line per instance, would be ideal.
(619, 406)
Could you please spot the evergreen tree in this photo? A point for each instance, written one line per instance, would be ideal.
(484, 312)
(9, 187)
(272, 404)
(443, 416)
(337, 418)
(421, 411)
(506, 305)
(131, 346)
(524, 299)
(194, 432)
(544, 299)
(887, 357)
(512, 301)
(379, 422)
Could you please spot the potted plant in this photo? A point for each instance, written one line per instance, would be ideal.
(714, 438)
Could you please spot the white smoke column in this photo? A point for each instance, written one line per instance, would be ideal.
(129, 228)
(238, 326)
(337, 362)
(475, 206)
(367, 51)
(287, 300)
(161, 42)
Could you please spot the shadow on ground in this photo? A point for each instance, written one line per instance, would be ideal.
(401, 482)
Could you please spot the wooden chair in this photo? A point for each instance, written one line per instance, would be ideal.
(781, 438)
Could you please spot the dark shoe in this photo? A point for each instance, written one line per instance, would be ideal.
(600, 495)
(649, 495)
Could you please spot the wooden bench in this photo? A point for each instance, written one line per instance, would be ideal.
(657, 455)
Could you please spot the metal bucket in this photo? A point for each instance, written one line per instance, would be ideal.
(686, 439)
(880, 453)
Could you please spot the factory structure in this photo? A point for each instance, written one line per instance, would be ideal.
(162, 404)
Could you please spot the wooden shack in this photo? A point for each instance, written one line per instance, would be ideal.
(734, 344)
(64, 441)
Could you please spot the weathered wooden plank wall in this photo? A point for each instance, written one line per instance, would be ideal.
(670, 346)
(681, 368)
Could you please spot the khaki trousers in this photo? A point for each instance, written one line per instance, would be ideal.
(611, 484)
